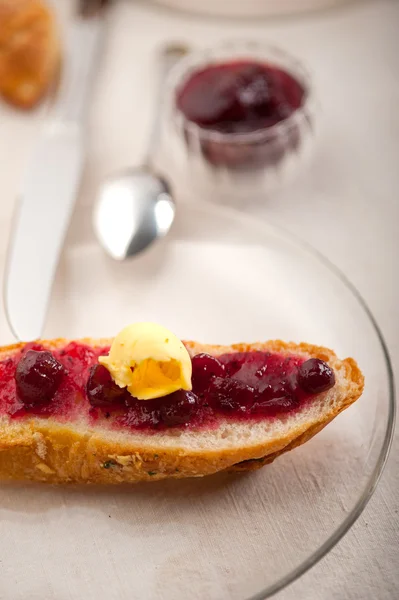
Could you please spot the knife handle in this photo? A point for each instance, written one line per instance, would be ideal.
(82, 51)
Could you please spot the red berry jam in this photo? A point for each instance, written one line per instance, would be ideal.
(51, 390)
(205, 368)
(239, 97)
(70, 382)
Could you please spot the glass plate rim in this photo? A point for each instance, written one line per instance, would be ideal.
(340, 532)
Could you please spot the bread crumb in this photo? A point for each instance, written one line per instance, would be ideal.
(45, 469)
(41, 448)
(125, 461)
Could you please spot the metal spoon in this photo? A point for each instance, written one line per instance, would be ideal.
(135, 208)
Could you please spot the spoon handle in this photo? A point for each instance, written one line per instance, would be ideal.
(168, 56)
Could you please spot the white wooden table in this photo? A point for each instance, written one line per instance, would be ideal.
(350, 191)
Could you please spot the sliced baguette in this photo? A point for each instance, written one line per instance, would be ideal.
(45, 450)
(29, 51)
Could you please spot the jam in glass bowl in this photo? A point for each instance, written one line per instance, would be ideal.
(239, 118)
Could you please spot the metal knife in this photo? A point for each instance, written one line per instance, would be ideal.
(52, 181)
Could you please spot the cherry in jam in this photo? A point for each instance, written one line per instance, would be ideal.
(38, 375)
(315, 376)
(178, 408)
(101, 389)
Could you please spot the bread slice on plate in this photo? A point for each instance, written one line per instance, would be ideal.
(79, 443)
(29, 51)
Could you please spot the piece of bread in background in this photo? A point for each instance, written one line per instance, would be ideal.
(29, 51)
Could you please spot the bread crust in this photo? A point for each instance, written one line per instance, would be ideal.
(29, 51)
(44, 450)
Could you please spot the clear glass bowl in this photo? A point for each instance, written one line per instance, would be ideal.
(221, 277)
(238, 164)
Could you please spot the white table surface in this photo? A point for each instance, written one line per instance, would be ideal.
(346, 204)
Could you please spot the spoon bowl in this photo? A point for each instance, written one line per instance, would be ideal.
(134, 209)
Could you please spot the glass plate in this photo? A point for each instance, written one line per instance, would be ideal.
(219, 277)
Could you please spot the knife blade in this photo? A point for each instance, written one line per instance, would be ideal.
(50, 188)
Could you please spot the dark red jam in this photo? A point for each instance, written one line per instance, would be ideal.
(70, 382)
(239, 97)
(53, 387)
(242, 97)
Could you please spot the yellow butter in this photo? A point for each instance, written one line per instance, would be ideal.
(149, 360)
